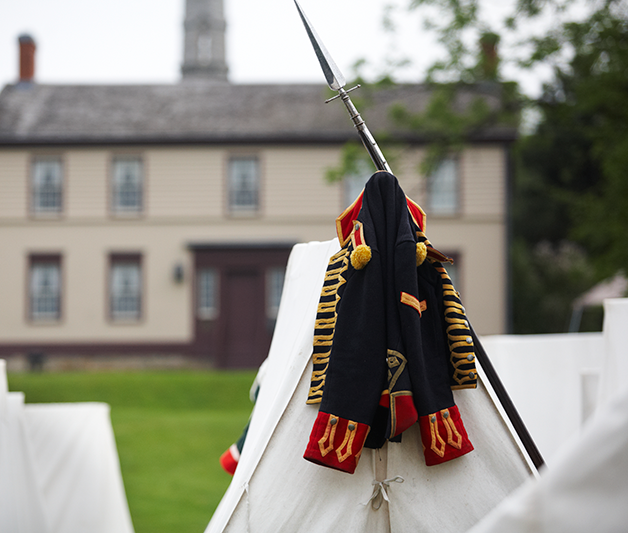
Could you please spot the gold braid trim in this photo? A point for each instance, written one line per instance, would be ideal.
(462, 355)
(451, 430)
(348, 441)
(463, 362)
(438, 450)
(326, 307)
(321, 358)
(323, 340)
(326, 323)
(330, 432)
(328, 291)
(466, 378)
(321, 372)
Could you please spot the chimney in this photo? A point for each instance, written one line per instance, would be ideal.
(27, 58)
(489, 59)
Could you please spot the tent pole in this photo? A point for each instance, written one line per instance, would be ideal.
(336, 81)
(506, 402)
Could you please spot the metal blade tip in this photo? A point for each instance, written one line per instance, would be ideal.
(334, 77)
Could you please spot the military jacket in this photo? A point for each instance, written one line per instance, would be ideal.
(391, 338)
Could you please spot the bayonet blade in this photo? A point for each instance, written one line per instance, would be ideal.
(334, 77)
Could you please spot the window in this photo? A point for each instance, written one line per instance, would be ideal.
(207, 293)
(127, 185)
(243, 185)
(442, 189)
(47, 185)
(125, 287)
(45, 288)
(274, 287)
(354, 183)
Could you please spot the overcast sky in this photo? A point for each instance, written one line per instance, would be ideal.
(141, 41)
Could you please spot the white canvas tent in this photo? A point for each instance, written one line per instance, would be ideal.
(586, 489)
(552, 379)
(59, 468)
(21, 501)
(275, 489)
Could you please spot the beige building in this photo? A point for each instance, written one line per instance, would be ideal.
(157, 220)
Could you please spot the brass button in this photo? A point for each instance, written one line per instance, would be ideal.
(333, 421)
(351, 427)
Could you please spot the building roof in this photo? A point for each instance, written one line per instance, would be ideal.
(34, 114)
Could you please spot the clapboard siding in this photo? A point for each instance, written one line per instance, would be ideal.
(85, 188)
(185, 182)
(294, 184)
(483, 171)
(186, 202)
(14, 169)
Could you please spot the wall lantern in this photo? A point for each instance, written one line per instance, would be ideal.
(178, 273)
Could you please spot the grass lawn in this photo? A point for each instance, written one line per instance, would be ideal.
(170, 428)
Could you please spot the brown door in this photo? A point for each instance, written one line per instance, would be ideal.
(233, 320)
(245, 342)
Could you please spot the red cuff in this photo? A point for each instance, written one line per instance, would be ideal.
(444, 436)
(336, 442)
(402, 414)
(229, 460)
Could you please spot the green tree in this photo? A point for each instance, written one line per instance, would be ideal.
(570, 200)
(572, 168)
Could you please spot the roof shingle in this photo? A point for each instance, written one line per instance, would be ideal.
(35, 114)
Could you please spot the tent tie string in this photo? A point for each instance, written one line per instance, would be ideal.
(380, 493)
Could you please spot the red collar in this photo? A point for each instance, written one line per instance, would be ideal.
(345, 222)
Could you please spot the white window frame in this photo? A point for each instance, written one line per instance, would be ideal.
(443, 189)
(244, 185)
(47, 185)
(207, 293)
(127, 180)
(125, 301)
(45, 290)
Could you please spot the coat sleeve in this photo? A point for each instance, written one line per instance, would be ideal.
(356, 369)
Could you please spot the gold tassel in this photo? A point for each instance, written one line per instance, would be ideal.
(360, 256)
(421, 253)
